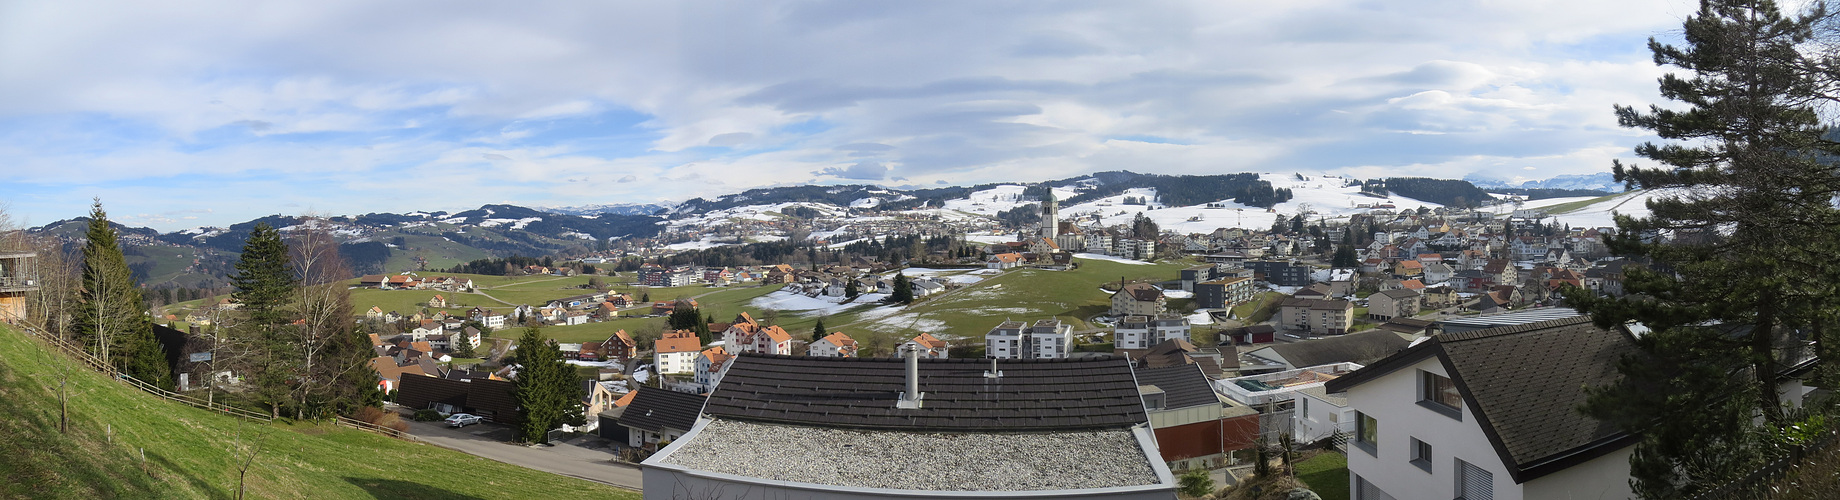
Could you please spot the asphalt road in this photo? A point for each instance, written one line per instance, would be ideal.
(488, 441)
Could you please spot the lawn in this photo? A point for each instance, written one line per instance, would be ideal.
(124, 443)
(1245, 310)
(722, 304)
(1018, 294)
(1327, 475)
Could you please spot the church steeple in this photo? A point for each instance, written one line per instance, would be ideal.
(1050, 216)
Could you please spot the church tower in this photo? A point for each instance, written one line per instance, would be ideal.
(1050, 217)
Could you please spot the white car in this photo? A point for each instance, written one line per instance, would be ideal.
(461, 420)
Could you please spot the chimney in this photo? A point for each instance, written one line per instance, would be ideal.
(910, 399)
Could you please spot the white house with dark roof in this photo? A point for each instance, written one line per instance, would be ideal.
(917, 429)
(1466, 415)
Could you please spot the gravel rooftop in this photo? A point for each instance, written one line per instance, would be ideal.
(1066, 460)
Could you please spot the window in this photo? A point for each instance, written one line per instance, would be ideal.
(1367, 433)
(1306, 407)
(1364, 490)
(1473, 483)
(1439, 394)
(1421, 454)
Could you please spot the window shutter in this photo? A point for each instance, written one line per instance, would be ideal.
(1473, 483)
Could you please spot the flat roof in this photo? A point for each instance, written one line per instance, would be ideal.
(1522, 317)
(932, 461)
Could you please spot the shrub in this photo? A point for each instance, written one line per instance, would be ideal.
(393, 421)
(1196, 483)
(427, 416)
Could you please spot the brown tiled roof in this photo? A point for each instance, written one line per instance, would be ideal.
(678, 341)
(1142, 292)
(929, 341)
(839, 339)
(1089, 393)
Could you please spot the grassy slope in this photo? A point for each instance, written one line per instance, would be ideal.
(969, 312)
(188, 450)
(1566, 208)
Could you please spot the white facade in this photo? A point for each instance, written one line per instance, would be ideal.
(1317, 417)
(1393, 402)
(1167, 328)
(1133, 332)
(1052, 339)
(677, 362)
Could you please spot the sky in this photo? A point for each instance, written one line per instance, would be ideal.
(181, 114)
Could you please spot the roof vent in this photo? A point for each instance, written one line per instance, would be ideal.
(910, 399)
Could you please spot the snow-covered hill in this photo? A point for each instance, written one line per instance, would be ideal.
(1326, 196)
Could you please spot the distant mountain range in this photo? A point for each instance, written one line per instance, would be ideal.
(388, 242)
(1602, 181)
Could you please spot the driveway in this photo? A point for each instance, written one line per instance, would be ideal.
(589, 462)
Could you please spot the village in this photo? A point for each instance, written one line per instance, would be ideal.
(1250, 325)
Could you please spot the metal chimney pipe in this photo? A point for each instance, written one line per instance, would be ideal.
(911, 398)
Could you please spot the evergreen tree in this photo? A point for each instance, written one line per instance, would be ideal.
(264, 350)
(1740, 239)
(548, 389)
(109, 317)
(817, 331)
(851, 290)
(903, 291)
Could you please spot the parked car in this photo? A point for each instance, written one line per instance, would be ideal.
(461, 420)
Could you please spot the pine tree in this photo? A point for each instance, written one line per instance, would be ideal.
(817, 331)
(1740, 236)
(110, 316)
(548, 389)
(264, 351)
(903, 291)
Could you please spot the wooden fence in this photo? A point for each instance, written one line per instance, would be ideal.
(97, 364)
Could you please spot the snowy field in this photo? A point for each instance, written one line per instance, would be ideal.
(1603, 214)
(821, 305)
(1108, 258)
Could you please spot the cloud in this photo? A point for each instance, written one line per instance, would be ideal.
(866, 171)
(312, 102)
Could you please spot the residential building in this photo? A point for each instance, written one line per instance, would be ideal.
(1363, 347)
(1280, 273)
(1046, 339)
(656, 417)
(748, 335)
(1138, 298)
(1223, 293)
(1330, 317)
(1400, 303)
(1082, 420)
(931, 347)
(834, 345)
(709, 366)
(676, 351)
(1194, 428)
(1318, 415)
(1132, 332)
(1490, 413)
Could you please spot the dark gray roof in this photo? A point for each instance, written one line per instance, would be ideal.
(1351, 348)
(1400, 293)
(1059, 394)
(1183, 385)
(1533, 406)
(655, 409)
(1528, 410)
(1521, 317)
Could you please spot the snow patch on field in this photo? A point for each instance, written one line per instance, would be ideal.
(1120, 260)
(820, 305)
